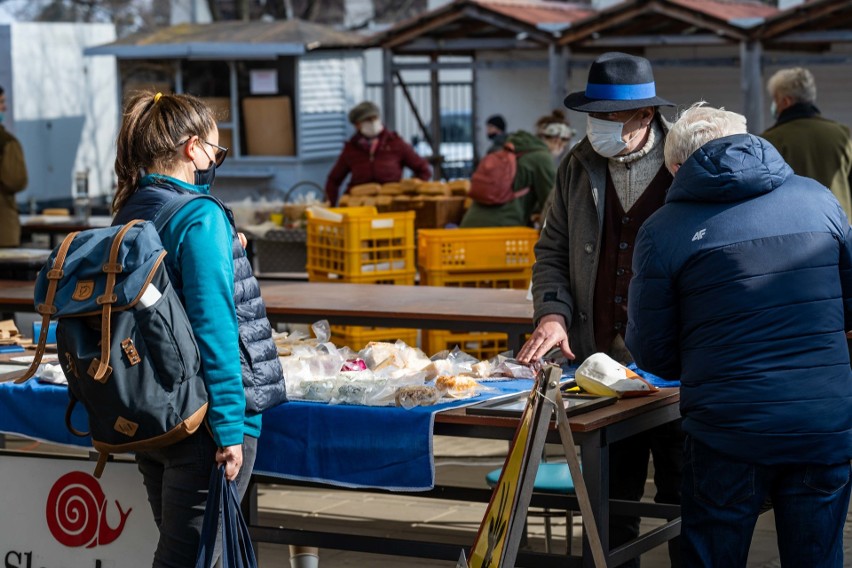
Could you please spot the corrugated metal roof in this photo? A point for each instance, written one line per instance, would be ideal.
(732, 11)
(230, 39)
(539, 12)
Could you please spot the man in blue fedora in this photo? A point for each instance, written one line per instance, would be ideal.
(606, 187)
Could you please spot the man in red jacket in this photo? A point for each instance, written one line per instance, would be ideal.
(373, 154)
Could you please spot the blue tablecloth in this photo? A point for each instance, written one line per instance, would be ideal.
(351, 446)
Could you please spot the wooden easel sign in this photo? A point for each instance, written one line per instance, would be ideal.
(496, 544)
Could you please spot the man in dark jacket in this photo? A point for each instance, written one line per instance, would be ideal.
(13, 179)
(742, 289)
(814, 146)
(609, 183)
(374, 154)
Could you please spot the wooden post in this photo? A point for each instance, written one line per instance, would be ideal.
(388, 90)
(752, 84)
(435, 89)
(557, 63)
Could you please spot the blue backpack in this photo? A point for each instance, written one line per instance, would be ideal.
(123, 338)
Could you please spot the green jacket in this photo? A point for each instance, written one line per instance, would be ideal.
(536, 171)
(815, 147)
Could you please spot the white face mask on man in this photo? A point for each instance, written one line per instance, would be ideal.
(606, 135)
(371, 129)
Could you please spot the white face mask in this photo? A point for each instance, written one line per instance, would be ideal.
(605, 135)
(773, 109)
(371, 129)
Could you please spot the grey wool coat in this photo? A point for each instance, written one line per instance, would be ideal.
(568, 250)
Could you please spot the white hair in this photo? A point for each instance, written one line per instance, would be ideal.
(697, 126)
(797, 83)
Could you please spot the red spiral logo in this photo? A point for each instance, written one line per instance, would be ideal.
(76, 512)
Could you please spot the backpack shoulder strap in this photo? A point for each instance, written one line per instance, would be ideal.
(172, 206)
(47, 309)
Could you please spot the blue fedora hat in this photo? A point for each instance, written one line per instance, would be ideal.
(617, 81)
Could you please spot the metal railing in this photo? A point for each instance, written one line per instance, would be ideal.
(456, 116)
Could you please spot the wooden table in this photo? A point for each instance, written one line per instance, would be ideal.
(593, 432)
(56, 226)
(429, 307)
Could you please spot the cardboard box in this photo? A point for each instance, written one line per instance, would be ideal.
(432, 213)
(268, 123)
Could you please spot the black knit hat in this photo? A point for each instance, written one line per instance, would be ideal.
(617, 81)
(497, 121)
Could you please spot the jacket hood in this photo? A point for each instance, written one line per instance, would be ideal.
(732, 168)
(526, 142)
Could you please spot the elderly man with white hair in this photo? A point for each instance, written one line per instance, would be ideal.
(813, 145)
(742, 289)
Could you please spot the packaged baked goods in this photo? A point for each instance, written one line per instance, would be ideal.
(458, 386)
(364, 189)
(459, 187)
(417, 395)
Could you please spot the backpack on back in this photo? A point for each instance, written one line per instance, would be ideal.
(123, 338)
(493, 181)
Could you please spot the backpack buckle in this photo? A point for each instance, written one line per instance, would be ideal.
(55, 274)
(104, 299)
(46, 309)
(112, 267)
(130, 350)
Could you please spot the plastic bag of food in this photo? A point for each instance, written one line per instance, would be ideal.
(459, 386)
(416, 395)
(603, 376)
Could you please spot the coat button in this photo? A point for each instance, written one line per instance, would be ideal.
(619, 272)
(583, 316)
(625, 220)
(623, 246)
(589, 248)
(618, 325)
(618, 299)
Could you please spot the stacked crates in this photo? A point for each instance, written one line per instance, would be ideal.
(360, 245)
(499, 257)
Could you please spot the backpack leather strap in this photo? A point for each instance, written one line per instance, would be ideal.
(108, 298)
(47, 309)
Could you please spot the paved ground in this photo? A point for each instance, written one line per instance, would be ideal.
(457, 461)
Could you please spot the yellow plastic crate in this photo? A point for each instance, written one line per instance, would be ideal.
(480, 344)
(498, 248)
(352, 243)
(357, 337)
(518, 279)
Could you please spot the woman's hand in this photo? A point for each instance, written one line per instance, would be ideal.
(243, 240)
(551, 332)
(232, 457)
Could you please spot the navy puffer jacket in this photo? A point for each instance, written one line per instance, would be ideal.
(742, 288)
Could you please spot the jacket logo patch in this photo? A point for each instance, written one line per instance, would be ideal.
(699, 235)
(84, 290)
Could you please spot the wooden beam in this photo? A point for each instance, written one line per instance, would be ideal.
(698, 20)
(597, 23)
(502, 22)
(428, 45)
(399, 38)
(803, 14)
(654, 40)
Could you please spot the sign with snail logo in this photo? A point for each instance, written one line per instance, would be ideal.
(65, 518)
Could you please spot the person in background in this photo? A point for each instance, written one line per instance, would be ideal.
(742, 289)
(495, 129)
(814, 146)
(535, 171)
(610, 182)
(373, 154)
(556, 132)
(13, 179)
(168, 145)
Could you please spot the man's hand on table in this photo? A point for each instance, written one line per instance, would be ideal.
(551, 332)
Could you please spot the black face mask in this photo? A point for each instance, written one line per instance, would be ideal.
(492, 136)
(206, 176)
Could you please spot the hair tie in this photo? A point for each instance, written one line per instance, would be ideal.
(157, 97)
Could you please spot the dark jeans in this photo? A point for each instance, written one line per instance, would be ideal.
(722, 499)
(177, 478)
(628, 467)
